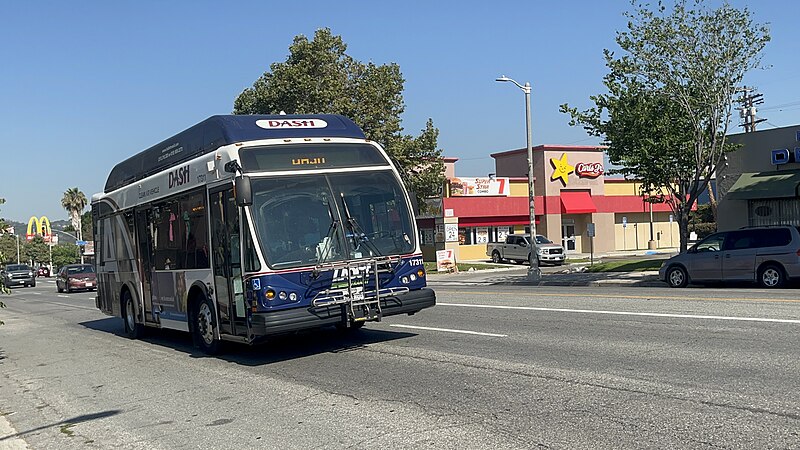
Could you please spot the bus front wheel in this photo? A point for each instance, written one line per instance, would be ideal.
(204, 326)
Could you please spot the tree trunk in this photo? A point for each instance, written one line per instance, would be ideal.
(712, 199)
(683, 228)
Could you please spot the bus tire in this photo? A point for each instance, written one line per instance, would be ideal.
(203, 327)
(133, 329)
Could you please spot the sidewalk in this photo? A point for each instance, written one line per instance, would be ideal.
(567, 275)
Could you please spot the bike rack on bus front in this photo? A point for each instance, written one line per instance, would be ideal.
(362, 303)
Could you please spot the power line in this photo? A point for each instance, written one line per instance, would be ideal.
(784, 105)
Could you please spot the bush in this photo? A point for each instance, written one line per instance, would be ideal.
(703, 229)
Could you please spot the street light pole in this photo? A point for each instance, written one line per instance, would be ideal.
(534, 273)
(73, 237)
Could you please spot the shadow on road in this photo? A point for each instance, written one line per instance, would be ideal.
(275, 349)
(65, 424)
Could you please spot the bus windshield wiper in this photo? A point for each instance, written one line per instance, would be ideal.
(328, 241)
(325, 248)
(355, 229)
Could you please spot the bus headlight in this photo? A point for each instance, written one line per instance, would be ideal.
(270, 294)
(404, 280)
(293, 296)
(412, 277)
(283, 295)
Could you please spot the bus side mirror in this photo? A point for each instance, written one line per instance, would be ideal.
(244, 192)
(414, 202)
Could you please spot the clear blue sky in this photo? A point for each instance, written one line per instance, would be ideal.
(84, 85)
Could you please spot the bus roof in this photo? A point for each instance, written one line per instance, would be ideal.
(217, 131)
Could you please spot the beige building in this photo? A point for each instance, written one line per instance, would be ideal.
(572, 194)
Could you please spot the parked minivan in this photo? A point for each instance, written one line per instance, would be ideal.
(767, 255)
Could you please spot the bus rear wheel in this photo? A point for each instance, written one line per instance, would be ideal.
(204, 327)
(132, 329)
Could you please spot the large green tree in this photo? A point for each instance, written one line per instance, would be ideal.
(36, 251)
(8, 248)
(64, 254)
(665, 116)
(74, 201)
(319, 77)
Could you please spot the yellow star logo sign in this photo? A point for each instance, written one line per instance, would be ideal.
(562, 168)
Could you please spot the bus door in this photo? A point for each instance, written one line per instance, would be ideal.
(227, 264)
(144, 238)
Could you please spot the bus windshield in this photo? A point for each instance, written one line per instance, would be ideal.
(313, 219)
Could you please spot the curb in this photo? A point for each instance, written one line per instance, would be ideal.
(632, 283)
(648, 279)
(12, 439)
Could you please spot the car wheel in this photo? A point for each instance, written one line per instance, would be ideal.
(496, 257)
(132, 329)
(771, 276)
(33, 284)
(677, 277)
(58, 288)
(67, 288)
(203, 328)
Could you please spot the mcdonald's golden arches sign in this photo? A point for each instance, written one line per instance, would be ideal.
(39, 226)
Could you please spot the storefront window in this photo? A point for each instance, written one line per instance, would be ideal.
(465, 236)
(482, 235)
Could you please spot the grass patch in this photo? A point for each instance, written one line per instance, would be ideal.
(626, 266)
(66, 429)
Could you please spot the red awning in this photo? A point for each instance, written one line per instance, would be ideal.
(577, 203)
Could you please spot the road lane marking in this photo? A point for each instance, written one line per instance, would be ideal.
(449, 330)
(625, 313)
(629, 297)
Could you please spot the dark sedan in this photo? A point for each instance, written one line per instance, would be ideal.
(18, 275)
(76, 277)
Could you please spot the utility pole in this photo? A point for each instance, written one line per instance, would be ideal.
(748, 110)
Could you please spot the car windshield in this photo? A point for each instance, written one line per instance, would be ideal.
(319, 218)
(543, 240)
(15, 267)
(79, 269)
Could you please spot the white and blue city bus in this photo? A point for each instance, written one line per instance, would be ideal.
(242, 227)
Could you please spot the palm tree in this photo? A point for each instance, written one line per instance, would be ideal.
(74, 201)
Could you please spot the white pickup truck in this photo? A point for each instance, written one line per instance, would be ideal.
(517, 248)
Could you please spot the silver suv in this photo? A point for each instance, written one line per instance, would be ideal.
(767, 255)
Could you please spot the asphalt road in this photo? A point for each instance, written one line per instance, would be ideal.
(488, 367)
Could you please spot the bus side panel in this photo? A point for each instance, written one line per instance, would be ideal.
(116, 265)
(171, 291)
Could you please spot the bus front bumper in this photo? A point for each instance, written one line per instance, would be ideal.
(284, 321)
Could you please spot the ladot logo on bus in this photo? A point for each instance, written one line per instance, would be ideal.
(272, 124)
